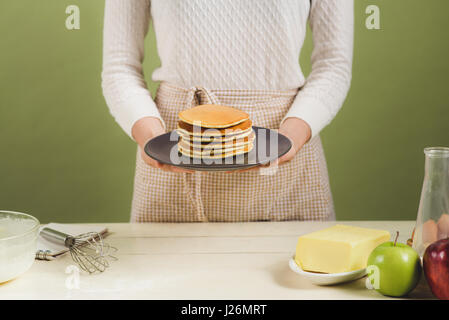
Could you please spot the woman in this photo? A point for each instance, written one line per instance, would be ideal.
(242, 53)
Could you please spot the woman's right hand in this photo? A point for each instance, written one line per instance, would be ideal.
(146, 129)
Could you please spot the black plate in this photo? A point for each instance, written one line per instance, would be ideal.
(162, 146)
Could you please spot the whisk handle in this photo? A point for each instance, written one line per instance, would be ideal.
(58, 236)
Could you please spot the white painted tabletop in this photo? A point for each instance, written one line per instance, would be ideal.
(197, 261)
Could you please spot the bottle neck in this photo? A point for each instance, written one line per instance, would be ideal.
(437, 165)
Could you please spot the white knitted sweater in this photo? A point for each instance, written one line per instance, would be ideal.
(229, 44)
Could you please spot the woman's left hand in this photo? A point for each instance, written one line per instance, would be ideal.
(298, 131)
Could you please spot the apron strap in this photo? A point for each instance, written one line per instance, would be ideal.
(194, 98)
(195, 197)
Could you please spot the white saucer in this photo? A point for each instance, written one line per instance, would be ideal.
(326, 279)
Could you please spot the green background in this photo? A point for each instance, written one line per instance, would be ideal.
(64, 159)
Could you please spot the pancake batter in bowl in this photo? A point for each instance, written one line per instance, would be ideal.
(243, 54)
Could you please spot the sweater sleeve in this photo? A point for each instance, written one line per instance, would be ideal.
(124, 87)
(332, 24)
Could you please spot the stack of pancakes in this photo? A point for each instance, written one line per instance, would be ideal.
(214, 132)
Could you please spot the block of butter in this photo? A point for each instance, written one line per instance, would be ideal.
(338, 249)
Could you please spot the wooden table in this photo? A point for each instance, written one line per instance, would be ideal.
(197, 261)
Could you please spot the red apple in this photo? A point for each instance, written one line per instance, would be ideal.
(436, 268)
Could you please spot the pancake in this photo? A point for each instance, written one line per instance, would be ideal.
(203, 131)
(186, 136)
(218, 141)
(217, 146)
(213, 116)
(213, 155)
(214, 132)
(218, 150)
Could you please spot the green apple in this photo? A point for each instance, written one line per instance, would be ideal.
(397, 266)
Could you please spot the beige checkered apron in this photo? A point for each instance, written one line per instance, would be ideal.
(298, 190)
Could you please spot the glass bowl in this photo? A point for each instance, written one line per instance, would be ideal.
(18, 240)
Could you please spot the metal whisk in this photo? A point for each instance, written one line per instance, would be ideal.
(88, 249)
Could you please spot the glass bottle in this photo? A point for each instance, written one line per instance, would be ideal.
(432, 223)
